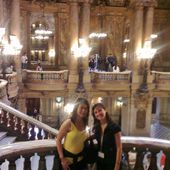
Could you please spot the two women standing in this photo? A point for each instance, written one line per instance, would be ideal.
(106, 132)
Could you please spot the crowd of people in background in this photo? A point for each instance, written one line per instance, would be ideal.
(109, 64)
(96, 63)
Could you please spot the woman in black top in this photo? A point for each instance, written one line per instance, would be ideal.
(108, 135)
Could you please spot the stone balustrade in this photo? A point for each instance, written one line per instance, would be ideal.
(44, 152)
(161, 80)
(12, 86)
(22, 125)
(4, 92)
(111, 80)
(3, 84)
(45, 80)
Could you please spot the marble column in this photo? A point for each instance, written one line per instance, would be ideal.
(149, 16)
(26, 29)
(138, 37)
(149, 22)
(74, 32)
(85, 26)
(15, 30)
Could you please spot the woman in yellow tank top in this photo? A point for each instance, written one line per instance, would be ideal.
(73, 131)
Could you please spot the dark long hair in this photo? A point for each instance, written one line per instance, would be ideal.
(108, 118)
(74, 113)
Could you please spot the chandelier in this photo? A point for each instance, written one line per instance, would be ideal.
(41, 28)
(11, 47)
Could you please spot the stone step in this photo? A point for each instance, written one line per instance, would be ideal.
(7, 140)
(2, 135)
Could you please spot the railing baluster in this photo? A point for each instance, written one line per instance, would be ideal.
(35, 161)
(32, 132)
(1, 115)
(39, 135)
(18, 125)
(5, 165)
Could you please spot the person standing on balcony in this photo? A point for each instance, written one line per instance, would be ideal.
(108, 135)
(39, 67)
(24, 60)
(116, 68)
(73, 131)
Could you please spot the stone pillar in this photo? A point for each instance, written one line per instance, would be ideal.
(15, 30)
(85, 26)
(74, 32)
(149, 16)
(138, 106)
(149, 22)
(138, 37)
(26, 32)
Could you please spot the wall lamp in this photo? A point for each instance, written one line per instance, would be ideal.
(146, 53)
(81, 52)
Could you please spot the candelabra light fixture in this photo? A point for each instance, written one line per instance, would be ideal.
(41, 28)
(81, 52)
(146, 53)
(13, 47)
(98, 35)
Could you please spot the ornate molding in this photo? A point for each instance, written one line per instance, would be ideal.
(150, 3)
(141, 100)
(143, 3)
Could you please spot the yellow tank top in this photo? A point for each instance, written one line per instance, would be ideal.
(74, 140)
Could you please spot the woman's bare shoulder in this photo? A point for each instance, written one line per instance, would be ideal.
(66, 125)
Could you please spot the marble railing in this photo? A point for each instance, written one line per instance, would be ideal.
(12, 86)
(38, 80)
(3, 84)
(42, 153)
(162, 80)
(22, 125)
(108, 80)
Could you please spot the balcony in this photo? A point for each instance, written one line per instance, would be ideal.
(111, 80)
(45, 80)
(161, 80)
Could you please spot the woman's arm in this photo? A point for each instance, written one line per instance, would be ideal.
(64, 129)
(119, 150)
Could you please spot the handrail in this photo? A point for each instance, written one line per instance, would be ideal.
(35, 71)
(144, 141)
(160, 72)
(105, 72)
(19, 148)
(3, 83)
(28, 119)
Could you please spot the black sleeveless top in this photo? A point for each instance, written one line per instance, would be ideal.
(108, 146)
